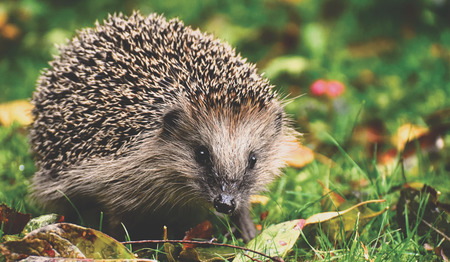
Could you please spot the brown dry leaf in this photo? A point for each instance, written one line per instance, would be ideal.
(192, 253)
(10, 31)
(387, 157)
(13, 221)
(300, 155)
(65, 240)
(202, 230)
(16, 111)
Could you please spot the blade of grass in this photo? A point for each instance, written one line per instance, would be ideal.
(73, 206)
(331, 139)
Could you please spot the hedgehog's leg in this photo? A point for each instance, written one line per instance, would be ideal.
(244, 223)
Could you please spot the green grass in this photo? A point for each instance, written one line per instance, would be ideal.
(16, 168)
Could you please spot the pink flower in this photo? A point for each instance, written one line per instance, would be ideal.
(319, 87)
(335, 88)
(331, 88)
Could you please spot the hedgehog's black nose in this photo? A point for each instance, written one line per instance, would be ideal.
(224, 203)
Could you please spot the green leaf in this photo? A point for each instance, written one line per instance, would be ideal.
(315, 38)
(293, 65)
(275, 241)
(41, 221)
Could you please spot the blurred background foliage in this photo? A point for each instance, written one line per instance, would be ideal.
(392, 58)
(393, 55)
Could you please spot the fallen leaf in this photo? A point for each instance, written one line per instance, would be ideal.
(65, 240)
(406, 133)
(387, 157)
(263, 215)
(42, 221)
(16, 111)
(202, 230)
(10, 31)
(325, 216)
(13, 221)
(275, 240)
(335, 222)
(300, 156)
(259, 199)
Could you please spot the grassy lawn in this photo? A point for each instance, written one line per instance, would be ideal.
(368, 84)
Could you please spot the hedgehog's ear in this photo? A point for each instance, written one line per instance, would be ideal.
(171, 122)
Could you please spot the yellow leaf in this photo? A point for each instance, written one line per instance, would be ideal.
(259, 199)
(16, 111)
(322, 217)
(334, 223)
(407, 132)
(300, 156)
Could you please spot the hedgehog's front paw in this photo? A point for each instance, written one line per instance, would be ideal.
(244, 223)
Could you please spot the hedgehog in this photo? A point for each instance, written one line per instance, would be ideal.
(154, 123)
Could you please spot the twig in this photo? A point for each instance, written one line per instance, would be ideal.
(277, 259)
(433, 228)
(252, 259)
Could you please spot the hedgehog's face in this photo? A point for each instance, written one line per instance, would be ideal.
(230, 156)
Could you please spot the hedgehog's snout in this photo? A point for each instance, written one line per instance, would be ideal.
(225, 203)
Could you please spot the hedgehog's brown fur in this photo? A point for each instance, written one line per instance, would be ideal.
(121, 113)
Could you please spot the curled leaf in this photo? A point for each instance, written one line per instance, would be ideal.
(338, 221)
(68, 241)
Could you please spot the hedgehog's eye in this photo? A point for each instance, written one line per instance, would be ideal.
(252, 160)
(202, 155)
